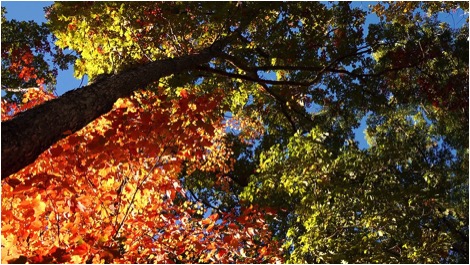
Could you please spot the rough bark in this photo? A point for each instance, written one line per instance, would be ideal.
(30, 133)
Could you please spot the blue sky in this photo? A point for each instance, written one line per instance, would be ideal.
(26, 10)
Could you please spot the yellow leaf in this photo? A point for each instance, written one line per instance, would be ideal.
(273, 61)
(76, 259)
(251, 231)
(103, 172)
(242, 252)
(103, 239)
(38, 206)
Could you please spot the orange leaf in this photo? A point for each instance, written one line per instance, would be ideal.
(81, 250)
(184, 93)
(35, 225)
(28, 213)
(210, 227)
(263, 251)
(214, 217)
(206, 221)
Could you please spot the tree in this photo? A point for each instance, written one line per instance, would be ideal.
(224, 132)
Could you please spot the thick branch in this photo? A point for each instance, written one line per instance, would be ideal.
(30, 133)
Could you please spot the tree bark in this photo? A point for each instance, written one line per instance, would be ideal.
(30, 133)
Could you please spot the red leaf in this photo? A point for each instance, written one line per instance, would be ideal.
(180, 250)
(109, 133)
(81, 250)
(146, 117)
(227, 239)
(221, 253)
(97, 143)
(73, 139)
(56, 150)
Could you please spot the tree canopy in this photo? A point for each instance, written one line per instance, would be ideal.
(226, 132)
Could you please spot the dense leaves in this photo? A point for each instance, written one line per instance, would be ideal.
(251, 157)
(108, 192)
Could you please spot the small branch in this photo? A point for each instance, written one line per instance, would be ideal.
(19, 89)
(283, 106)
(253, 79)
(259, 50)
(205, 202)
(157, 162)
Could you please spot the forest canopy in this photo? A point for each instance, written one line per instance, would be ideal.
(226, 132)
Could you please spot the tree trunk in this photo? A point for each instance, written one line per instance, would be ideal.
(30, 133)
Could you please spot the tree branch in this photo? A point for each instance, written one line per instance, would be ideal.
(252, 79)
(19, 89)
(32, 132)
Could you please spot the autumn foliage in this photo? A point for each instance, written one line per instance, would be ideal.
(112, 192)
(236, 132)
